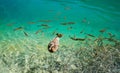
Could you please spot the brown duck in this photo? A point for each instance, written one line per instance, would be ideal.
(54, 44)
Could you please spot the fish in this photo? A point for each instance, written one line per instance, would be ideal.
(10, 24)
(91, 35)
(111, 35)
(31, 22)
(26, 34)
(102, 30)
(46, 25)
(77, 39)
(44, 20)
(38, 31)
(71, 23)
(63, 23)
(81, 31)
(18, 28)
(67, 23)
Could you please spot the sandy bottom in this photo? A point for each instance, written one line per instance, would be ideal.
(29, 54)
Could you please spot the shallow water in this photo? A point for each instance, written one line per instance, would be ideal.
(87, 16)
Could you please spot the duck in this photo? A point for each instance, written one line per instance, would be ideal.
(54, 44)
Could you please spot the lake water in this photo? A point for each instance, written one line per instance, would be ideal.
(27, 25)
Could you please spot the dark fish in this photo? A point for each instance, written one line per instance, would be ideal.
(71, 23)
(67, 23)
(38, 31)
(77, 39)
(111, 35)
(44, 24)
(64, 23)
(10, 24)
(26, 34)
(91, 35)
(44, 21)
(31, 22)
(81, 31)
(102, 30)
(19, 28)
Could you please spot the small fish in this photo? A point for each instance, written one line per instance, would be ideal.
(71, 23)
(67, 23)
(77, 39)
(44, 20)
(10, 24)
(31, 22)
(26, 34)
(19, 28)
(38, 31)
(46, 25)
(91, 35)
(64, 23)
(102, 30)
(81, 31)
(111, 35)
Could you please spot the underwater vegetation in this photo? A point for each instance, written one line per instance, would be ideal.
(92, 56)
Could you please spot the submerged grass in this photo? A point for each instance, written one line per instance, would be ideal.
(30, 56)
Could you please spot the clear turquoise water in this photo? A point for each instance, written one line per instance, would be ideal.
(99, 15)
(23, 51)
